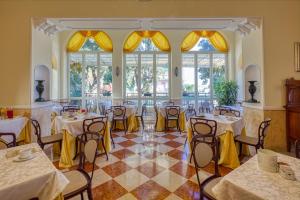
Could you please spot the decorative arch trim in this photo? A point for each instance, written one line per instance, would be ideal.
(136, 37)
(216, 39)
(78, 39)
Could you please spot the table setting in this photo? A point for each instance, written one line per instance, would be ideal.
(227, 128)
(162, 115)
(70, 124)
(267, 175)
(26, 172)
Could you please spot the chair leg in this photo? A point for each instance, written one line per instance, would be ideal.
(241, 145)
(81, 196)
(103, 145)
(192, 147)
(112, 139)
(143, 124)
(178, 126)
(125, 125)
(76, 148)
(185, 141)
(89, 192)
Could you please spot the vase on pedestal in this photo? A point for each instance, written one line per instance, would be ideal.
(40, 89)
(252, 90)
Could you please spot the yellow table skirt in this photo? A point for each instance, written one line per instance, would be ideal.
(133, 124)
(25, 135)
(228, 150)
(68, 147)
(160, 126)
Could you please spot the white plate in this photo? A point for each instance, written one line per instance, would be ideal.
(18, 159)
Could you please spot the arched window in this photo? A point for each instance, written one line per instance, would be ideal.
(146, 67)
(204, 62)
(90, 69)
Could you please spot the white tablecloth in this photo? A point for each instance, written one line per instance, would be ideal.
(226, 123)
(72, 126)
(248, 182)
(33, 178)
(14, 125)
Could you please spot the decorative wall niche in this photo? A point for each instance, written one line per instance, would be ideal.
(42, 72)
(252, 73)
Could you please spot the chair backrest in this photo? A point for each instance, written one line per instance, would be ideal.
(97, 126)
(205, 152)
(70, 108)
(37, 130)
(128, 102)
(144, 109)
(204, 127)
(230, 112)
(118, 111)
(263, 130)
(297, 148)
(172, 111)
(89, 141)
(87, 122)
(167, 103)
(11, 135)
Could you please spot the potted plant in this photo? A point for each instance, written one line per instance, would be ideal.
(226, 92)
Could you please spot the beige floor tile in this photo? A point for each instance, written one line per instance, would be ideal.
(131, 179)
(135, 161)
(169, 180)
(102, 162)
(99, 177)
(165, 161)
(173, 197)
(127, 196)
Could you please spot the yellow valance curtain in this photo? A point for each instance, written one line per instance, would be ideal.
(135, 38)
(216, 39)
(78, 39)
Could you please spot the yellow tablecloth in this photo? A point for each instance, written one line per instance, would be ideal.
(132, 122)
(25, 134)
(67, 152)
(228, 149)
(160, 126)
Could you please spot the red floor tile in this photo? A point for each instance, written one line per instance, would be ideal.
(150, 169)
(183, 169)
(109, 190)
(150, 191)
(188, 191)
(116, 168)
(123, 153)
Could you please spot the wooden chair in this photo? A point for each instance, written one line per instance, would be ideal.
(204, 153)
(141, 115)
(80, 180)
(204, 129)
(13, 143)
(70, 108)
(96, 125)
(168, 103)
(172, 114)
(119, 115)
(253, 141)
(190, 112)
(230, 112)
(42, 141)
(156, 116)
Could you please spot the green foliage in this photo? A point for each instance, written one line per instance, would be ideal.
(75, 79)
(226, 92)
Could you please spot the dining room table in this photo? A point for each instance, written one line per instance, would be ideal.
(19, 125)
(161, 116)
(71, 127)
(132, 121)
(34, 177)
(227, 128)
(250, 182)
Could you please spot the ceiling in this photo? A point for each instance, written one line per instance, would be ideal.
(244, 25)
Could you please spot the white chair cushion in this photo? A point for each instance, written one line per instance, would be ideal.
(52, 138)
(77, 181)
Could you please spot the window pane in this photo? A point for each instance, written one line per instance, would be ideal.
(188, 74)
(75, 75)
(219, 61)
(105, 75)
(147, 45)
(90, 45)
(131, 75)
(203, 45)
(162, 75)
(203, 76)
(90, 89)
(147, 74)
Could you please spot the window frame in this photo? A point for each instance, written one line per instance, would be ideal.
(83, 97)
(196, 68)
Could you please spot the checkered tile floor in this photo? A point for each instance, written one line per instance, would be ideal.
(147, 165)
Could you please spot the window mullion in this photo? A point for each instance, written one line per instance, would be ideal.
(196, 78)
(83, 97)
